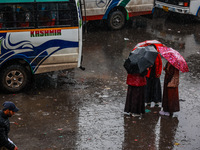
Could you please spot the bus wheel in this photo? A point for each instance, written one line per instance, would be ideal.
(116, 20)
(14, 78)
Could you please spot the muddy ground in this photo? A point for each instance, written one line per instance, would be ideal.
(83, 110)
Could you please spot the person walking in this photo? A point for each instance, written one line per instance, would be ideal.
(135, 102)
(8, 111)
(153, 88)
(170, 102)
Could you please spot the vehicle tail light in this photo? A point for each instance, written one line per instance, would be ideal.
(185, 4)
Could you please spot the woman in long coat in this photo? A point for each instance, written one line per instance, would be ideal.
(153, 88)
(170, 101)
(135, 102)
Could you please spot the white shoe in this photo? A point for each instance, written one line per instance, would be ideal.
(135, 115)
(126, 113)
(164, 113)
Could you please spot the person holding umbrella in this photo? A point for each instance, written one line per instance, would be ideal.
(176, 62)
(135, 104)
(153, 88)
(170, 101)
(153, 91)
(136, 66)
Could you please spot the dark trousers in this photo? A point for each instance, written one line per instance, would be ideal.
(153, 90)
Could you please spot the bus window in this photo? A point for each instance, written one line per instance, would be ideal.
(16, 16)
(8, 16)
(57, 14)
(46, 14)
(24, 13)
(1, 19)
(67, 15)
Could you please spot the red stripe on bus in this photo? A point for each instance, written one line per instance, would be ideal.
(97, 17)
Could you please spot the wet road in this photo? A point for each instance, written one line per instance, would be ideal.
(84, 109)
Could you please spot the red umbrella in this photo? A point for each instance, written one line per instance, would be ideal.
(174, 57)
(147, 43)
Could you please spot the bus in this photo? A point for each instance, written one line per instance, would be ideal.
(38, 36)
(189, 7)
(115, 12)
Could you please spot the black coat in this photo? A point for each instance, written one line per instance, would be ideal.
(4, 130)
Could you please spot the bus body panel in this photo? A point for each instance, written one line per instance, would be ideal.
(94, 8)
(192, 9)
(172, 8)
(99, 9)
(113, 4)
(42, 47)
(142, 5)
(136, 8)
(80, 36)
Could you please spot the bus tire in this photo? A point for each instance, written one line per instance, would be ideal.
(14, 78)
(116, 20)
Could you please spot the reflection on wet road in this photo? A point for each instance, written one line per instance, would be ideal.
(84, 109)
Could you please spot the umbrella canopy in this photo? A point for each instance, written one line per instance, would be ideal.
(174, 57)
(140, 59)
(147, 43)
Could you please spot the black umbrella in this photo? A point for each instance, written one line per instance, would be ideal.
(140, 59)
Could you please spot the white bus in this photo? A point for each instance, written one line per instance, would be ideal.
(190, 7)
(115, 12)
(38, 36)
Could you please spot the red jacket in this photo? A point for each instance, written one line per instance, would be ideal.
(136, 80)
(158, 63)
(158, 67)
